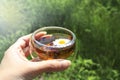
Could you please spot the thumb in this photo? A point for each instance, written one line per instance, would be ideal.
(50, 65)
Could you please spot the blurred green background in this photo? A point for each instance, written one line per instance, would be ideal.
(96, 24)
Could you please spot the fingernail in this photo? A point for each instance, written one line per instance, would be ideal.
(65, 63)
(43, 32)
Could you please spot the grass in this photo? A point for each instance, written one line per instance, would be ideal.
(96, 25)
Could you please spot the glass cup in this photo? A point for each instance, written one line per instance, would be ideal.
(52, 42)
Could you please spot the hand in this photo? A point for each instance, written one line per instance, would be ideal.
(15, 65)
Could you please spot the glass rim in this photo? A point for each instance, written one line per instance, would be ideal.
(54, 27)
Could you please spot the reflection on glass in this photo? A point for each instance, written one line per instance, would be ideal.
(57, 43)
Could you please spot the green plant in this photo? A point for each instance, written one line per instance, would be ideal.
(97, 28)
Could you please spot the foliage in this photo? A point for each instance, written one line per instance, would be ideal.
(78, 69)
(6, 41)
(95, 23)
(97, 28)
(84, 69)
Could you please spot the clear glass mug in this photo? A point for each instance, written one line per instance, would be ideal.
(57, 43)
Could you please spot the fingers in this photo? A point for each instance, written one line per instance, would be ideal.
(23, 41)
(50, 65)
(40, 34)
(46, 39)
(26, 51)
(21, 46)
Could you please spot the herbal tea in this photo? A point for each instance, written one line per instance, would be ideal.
(57, 46)
(55, 43)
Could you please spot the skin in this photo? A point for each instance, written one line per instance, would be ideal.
(15, 65)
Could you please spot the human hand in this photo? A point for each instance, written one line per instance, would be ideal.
(15, 65)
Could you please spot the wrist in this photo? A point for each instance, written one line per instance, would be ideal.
(9, 74)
